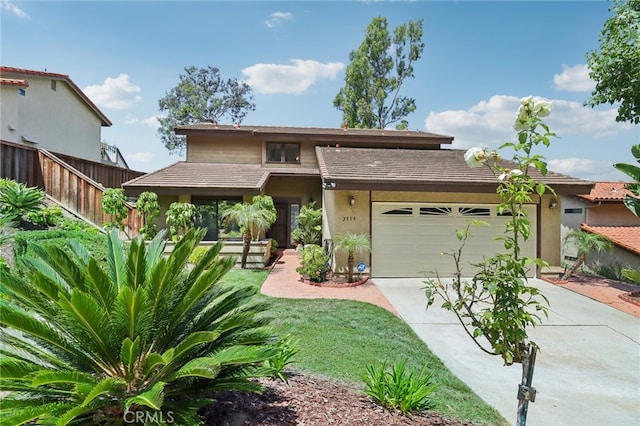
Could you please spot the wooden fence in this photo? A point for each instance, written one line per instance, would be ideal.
(72, 188)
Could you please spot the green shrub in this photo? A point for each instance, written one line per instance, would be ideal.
(17, 200)
(141, 335)
(398, 389)
(180, 218)
(114, 202)
(314, 264)
(48, 216)
(198, 254)
(612, 271)
(24, 242)
(287, 349)
(309, 229)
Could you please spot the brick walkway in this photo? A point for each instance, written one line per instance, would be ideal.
(284, 281)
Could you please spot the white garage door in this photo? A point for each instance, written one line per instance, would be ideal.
(408, 238)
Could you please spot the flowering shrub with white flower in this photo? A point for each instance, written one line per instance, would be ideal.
(497, 303)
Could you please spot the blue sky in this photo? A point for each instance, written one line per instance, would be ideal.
(480, 59)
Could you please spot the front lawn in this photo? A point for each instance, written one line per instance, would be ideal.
(340, 338)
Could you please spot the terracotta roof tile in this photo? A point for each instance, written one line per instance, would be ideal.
(607, 191)
(13, 72)
(214, 176)
(627, 237)
(13, 82)
(440, 168)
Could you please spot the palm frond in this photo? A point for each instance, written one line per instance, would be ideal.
(14, 368)
(129, 354)
(155, 249)
(52, 377)
(25, 415)
(62, 263)
(205, 367)
(100, 286)
(152, 398)
(109, 386)
(136, 263)
(116, 260)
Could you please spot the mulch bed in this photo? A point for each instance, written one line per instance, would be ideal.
(310, 400)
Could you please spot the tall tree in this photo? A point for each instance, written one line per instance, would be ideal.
(371, 95)
(202, 95)
(615, 67)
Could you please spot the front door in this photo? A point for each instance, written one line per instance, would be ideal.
(286, 220)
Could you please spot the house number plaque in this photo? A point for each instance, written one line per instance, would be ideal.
(348, 218)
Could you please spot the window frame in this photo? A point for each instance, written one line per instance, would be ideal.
(283, 152)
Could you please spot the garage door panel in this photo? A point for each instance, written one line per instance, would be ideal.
(408, 245)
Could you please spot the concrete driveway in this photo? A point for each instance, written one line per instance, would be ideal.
(587, 372)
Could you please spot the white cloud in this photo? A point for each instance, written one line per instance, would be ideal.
(115, 93)
(490, 122)
(574, 79)
(587, 169)
(276, 18)
(151, 121)
(13, 9)
(142, 157)
(291, 79)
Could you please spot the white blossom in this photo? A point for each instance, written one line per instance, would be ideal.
(476, 156)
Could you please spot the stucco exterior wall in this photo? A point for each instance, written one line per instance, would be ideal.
(9, 117)
(350, 219)
(58, 120)
(610, 214)
(619, 257)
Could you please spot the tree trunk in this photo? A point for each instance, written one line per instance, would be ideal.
(575, 267)
(246, 245)
(526, 392)
(350, 267)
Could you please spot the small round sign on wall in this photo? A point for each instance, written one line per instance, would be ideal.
(361, 267)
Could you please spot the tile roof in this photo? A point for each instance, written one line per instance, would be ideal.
(13, 82)
(12, 72)
(186, 175)
(627, 237)
(607, 191)
(317, 134)
(440, 168)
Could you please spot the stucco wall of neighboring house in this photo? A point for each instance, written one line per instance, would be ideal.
(611, 214)
(9, 117)
(59, 120)
(617, 257)
(549, 238)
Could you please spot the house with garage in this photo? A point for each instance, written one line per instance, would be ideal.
(405, 189)
(602, 211)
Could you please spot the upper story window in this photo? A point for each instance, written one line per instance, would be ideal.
(283, 153)
(573, 211)
(53, 85)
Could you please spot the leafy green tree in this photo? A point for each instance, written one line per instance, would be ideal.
(352, 243)
(585, 243)
(114, 202)
(180, 218)
(84, 343)
(632, 202)
(202, 95)
(309, 229)
(253, 219)
(371, 96)
(148, 206)
(615, 66)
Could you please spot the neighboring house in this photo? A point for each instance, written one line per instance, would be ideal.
(46, 110)
(602, 211)
(403, 188)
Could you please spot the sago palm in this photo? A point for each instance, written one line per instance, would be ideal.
(585, 243)
(352, 243)
(83, 343)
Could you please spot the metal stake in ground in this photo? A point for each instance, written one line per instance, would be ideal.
(526, 392)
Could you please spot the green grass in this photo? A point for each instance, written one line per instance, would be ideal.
(339, 338)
